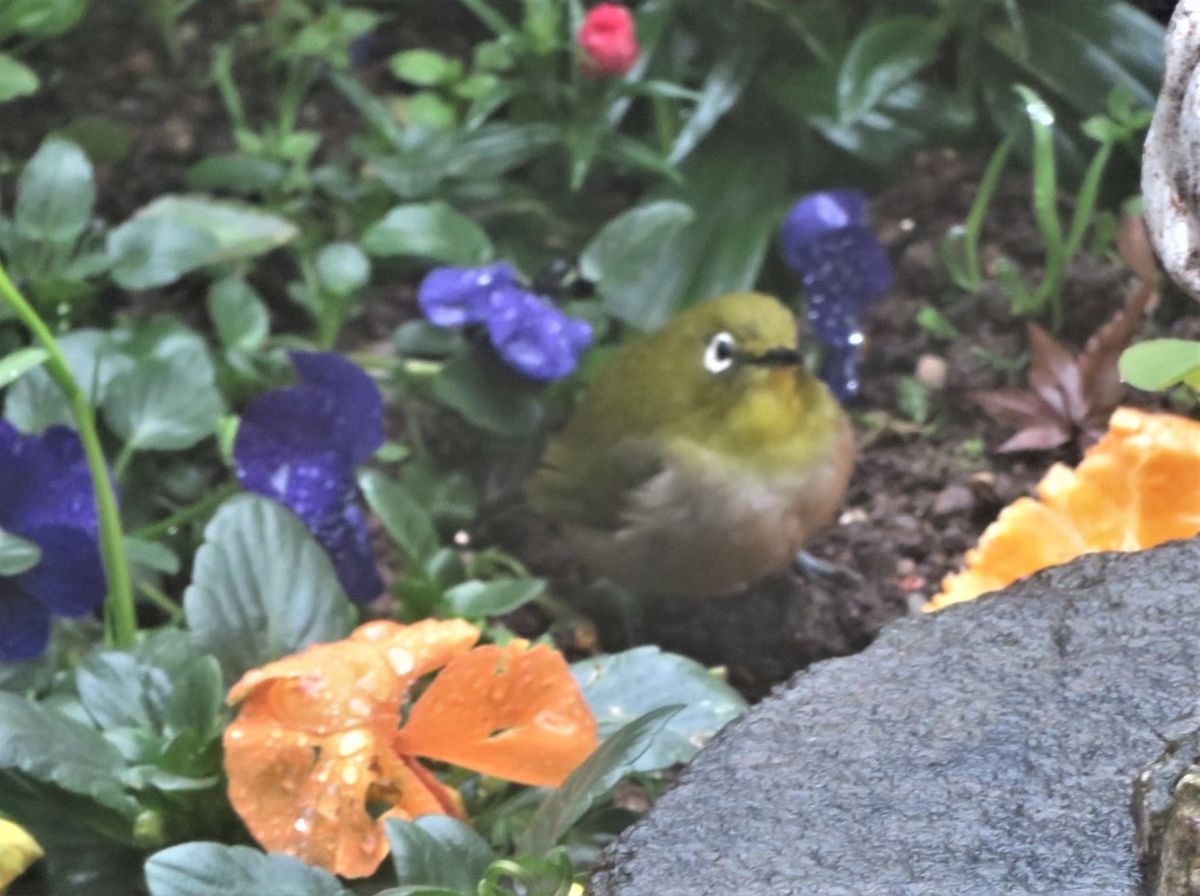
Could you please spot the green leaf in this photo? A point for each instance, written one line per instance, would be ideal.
(936, 323)
(407, 522)
(619, 256)
(490, 399)
(720, 91)
(214, 869)
(113, 687)
(85, 843)
(882, 57)
(40, 18)
(1081, 49)
(235, 172)
(343, 268)
(174, 235)
(623, 686)
(151, 554)
(912, 397)
(51, 747)
(197, 701)
(424, 68)
(1161, 363)
(600, 772)
(163, 405)
(262, 588)
(477, 599)
(16, 79)
(438, 851)
(20, 362)
(17, 555)
(238, 313)
(35, 401)
(713, 255)
(55, 194)
(431, 230)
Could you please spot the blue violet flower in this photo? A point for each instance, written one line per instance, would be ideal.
(844, 270)
(46, 498)
(527, 331)
(301, 446)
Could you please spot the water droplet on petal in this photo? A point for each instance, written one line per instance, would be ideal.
(554, 723)
(400, 660)
(352, 741)
(350, 775)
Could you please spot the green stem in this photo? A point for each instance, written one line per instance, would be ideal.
(185, 515)
(119, 607)
(159, 599)
(983, 199)
(1085, 204)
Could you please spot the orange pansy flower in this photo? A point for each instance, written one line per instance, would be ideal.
(1137, 487)
(317, 759)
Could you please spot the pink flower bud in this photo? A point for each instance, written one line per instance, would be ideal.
(608, 41)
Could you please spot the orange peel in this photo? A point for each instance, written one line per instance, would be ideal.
(317, 759)
(1139, 486)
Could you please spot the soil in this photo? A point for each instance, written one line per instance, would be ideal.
(922, 491)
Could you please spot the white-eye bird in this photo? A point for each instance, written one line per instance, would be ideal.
(702, 457)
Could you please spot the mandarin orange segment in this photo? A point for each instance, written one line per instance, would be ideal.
(1137, 487)
(513, 712)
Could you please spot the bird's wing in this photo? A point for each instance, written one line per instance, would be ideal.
(593, 487)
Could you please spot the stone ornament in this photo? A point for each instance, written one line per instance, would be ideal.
(1171, 162)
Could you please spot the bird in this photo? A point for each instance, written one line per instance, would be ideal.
(702, 457)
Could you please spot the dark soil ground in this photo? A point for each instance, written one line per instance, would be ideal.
(922, 491)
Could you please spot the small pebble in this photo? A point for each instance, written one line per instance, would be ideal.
(931, 372)
(956, 498)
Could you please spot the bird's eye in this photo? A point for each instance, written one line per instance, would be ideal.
(718, 356)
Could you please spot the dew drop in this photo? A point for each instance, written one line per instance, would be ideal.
(236, 733)
(302, 825)
(352, 741)
(350, 776)
(400, 660)
(359, 706)
(554, 723)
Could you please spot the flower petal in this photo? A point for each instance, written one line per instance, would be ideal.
(311, 759)
(24, 624)
(533, 337)
(355, 407)
(283, 450)
(45, 481)
(331, 686)
(69, 579)
(817, 214)
(453, 297)
(844, 271)
(315, 796)
(513, 712)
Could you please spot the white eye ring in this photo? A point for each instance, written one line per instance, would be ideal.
(719, 355)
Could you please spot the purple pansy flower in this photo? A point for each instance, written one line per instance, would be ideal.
(301, 445)
(46, 497)
(527, 331)
(844, 270)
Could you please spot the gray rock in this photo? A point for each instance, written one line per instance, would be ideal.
(988, 749)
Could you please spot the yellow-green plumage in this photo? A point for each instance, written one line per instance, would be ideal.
(674, 479)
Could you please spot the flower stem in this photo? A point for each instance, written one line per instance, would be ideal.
(119, 607)
(185, 515)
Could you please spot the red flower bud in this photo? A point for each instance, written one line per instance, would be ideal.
(608, 41)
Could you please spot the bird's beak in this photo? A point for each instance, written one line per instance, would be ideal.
(776, 357)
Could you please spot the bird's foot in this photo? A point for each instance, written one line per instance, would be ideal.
(819, 571)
